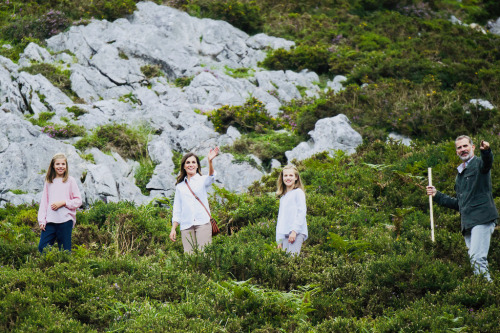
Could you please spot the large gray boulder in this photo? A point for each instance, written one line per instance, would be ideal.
(494, 26)
(329, 134)
(232, 175)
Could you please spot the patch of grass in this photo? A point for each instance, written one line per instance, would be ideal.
(182, 82)
(144, 173)
(267, 146)
(151, 71)
(18, 192)
(42, 120)
(130, 98)
(238, 72)
(127, 141)
(76, 111)
(250, 117)
(59, 78)
(88, 157)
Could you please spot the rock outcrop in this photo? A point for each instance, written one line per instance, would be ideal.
(107, 62)
(329, 134)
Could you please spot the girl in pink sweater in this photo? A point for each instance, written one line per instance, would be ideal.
(60, 199)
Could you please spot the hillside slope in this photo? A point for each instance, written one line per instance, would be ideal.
(369, 264)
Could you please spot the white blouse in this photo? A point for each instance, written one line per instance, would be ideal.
(187, 210)
(292, 215)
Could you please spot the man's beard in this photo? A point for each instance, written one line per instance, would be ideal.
(465, 157)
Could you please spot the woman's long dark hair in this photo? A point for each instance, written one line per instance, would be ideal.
(182, 172)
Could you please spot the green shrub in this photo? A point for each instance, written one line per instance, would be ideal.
(314, 58)
(241, 14)
(76, 111)
(249, 117)
(182, 82)
(67, 130)
(126, 141)
(151, 71)
(144, 173)
(266, 147)
(59, 78)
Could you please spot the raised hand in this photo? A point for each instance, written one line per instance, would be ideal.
(484, 145)
(213, 152)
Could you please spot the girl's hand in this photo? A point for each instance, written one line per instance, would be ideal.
(292, 236)
(57, 205)
(280, 246)
(212, 153)
(42, 227)
(173, 235)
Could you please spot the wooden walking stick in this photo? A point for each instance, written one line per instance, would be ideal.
(430, 205)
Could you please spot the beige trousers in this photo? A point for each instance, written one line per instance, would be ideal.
(196, 236)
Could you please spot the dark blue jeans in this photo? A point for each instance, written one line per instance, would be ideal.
(59, 231)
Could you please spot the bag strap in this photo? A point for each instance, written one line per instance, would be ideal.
(189, 187)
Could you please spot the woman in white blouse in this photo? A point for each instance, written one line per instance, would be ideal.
(291, 229)
(188, 212)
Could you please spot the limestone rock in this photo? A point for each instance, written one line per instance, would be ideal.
(329, 134)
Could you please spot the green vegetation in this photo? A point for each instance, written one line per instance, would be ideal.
(67, 130)
(267, 146)
(130, 143)
(238, 72)
(25, 20)
(249, 117)
(17, 192)
(182, 82)
(144, 173)
(76, 111)
(88, 157)
(368, 265)
(130, 98)
(151, 71)
(43, 118)
(126, 141)
(59, 78)
(245, 15)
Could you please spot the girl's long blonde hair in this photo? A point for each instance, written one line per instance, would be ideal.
(281, 185)
(51, 172)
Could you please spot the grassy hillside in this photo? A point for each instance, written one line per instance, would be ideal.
(369, 264)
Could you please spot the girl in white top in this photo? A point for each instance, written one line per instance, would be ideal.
(291, 229)
(196, 230)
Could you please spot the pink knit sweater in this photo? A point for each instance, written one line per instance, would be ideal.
(59, 191)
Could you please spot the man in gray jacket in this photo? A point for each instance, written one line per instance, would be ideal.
(474, 201)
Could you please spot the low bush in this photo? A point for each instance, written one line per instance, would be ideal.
(249, 117)
(76, 111)
(245, 15)
(126, 141)
(144, 173)
(266, 147)
(67, 130)
(59, 78)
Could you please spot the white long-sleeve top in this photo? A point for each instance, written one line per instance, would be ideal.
(187, 210)
(292, 215)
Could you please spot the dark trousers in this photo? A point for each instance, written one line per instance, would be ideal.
(59, 231)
